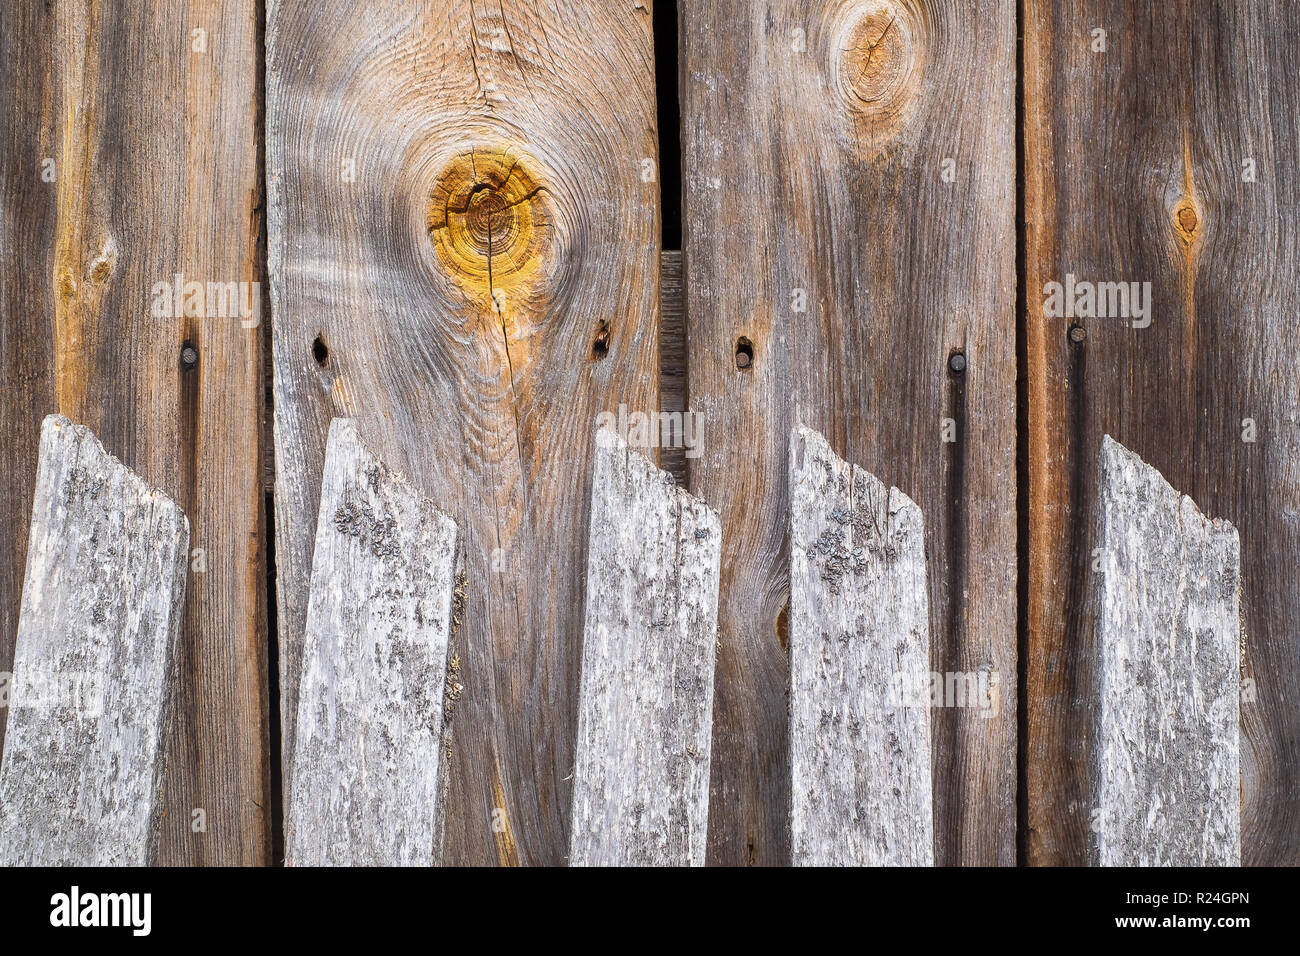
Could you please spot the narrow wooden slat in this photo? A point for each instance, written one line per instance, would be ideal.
(859, 667)
(366, 785)
(98, 631)
(672, 355)
(1186, 177)
(849, 204)
(1167, 774)
(130, 157)
(421, 158)
(645, 712)
(27, 45)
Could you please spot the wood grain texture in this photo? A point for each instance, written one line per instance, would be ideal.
(492, 147)
(813, 161)
(1134, 168)
(152, 150)
(650, 630)
(28, 213)
(1166, 775)
(366, 785)
(101, 615)
(859, 652)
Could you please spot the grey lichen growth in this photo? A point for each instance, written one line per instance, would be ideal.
(376, 533)
(873, 539)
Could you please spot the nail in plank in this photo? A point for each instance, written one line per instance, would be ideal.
(98, 629)
(859, 667)
(366, 788)
(645, 719)
(1166, 774)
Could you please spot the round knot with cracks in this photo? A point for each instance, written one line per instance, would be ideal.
(878, 64)
(489, 220)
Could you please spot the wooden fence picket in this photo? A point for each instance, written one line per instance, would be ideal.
(1201, 372)
(367, 781)
(100, 622)
(645, 710)
(859, 666)
(1167, 771)
(131, 302)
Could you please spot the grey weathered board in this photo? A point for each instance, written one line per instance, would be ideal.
(463, 242)
(1167, 773)
(645, 709)
(849, 211)
(366, 785)
(859, 667)
(100, 622)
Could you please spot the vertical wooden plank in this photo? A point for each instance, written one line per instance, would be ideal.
(148, 116)
(464, 252)
(650, 629)
(1136, 170)
(831, 269)
(93, 672)
(859, 667)
(367, 781)
(1167, 779)
(26, 293)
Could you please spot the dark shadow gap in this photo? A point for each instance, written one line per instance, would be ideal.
(266, 472)
(669, 122)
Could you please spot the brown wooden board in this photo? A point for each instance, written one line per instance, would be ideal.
(417, 160)
(1136, 170)
(814, 141)
(148, 118)
(27, 138)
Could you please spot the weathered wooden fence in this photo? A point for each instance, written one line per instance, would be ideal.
(349, 288)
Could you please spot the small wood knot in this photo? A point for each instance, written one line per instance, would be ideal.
(489, 220)
(101, 267)
(1186, 220)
